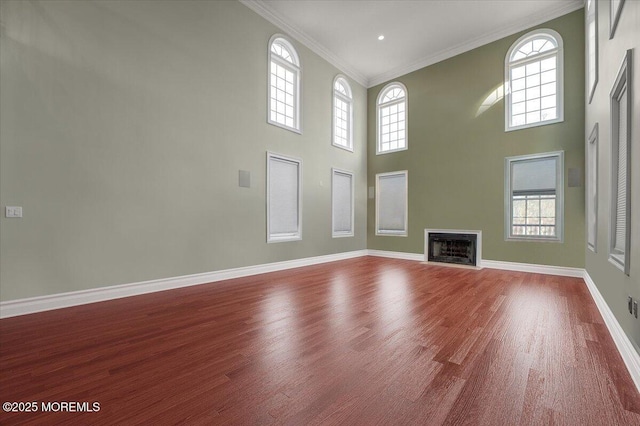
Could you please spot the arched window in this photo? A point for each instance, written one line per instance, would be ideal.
(342, 114)
(284, 84)
(392, 118)
(534, 76)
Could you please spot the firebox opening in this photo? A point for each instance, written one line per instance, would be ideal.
(452, 248)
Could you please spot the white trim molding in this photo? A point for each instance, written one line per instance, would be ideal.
(517, 26)
(629, 354)
(263, 9)
(562, 271)
(32, 305)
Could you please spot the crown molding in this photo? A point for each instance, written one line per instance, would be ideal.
(521, 25)
(263, 9)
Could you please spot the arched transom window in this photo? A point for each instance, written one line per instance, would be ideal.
(392, 118)
(533, 75)
(342, 114)
(284, 84)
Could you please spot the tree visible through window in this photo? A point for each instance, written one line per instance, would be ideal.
(534, 196)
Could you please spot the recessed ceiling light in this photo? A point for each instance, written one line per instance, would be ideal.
(380, 37)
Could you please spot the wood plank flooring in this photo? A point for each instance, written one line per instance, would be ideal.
(366, 341)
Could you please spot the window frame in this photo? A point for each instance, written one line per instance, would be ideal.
(559, 201)
(379, 107)
(558, 52)
(623, 82)
(592, 187)
(296, 69)
(591, 17)
(615, 10)
(349, 101)
(342, 234)
(405, 232)
(296, 236)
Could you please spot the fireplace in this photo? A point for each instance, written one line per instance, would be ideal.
(453, 246)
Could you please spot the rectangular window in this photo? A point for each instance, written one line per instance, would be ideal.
(534, 197)
(342, 203)
(391, 203)
(592, 189)
(284, 198)
(620, 236)
(392, 131)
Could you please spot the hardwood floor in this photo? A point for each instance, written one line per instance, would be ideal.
(365, 341)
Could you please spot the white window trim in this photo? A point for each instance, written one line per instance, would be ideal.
(297, 70)
(591, 16)
(508, 197)
(559, 52)
(333, 112)
(622, 82)
(284, 237)
(592, 141)
(406, 117)
(615, 10)
(335, 234)
(403, 233)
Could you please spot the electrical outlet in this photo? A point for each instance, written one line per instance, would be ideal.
(630, 304)
(635, 308)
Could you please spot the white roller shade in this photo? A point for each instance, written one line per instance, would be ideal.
(283, 198)
(536, 175)
(621, 203)
(342, 203)
(392, 203)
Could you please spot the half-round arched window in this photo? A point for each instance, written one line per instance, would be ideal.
(392, 118)
(534, 80)
(342, 114)
(284, 84)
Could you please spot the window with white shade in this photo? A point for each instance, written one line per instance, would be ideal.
(392, 119)
(284, 198)
(534, 80)
(342, 203)
(620, 236)
(342, 114)
(392, 203)
(534, 197)
(284, 84)
(592, 189)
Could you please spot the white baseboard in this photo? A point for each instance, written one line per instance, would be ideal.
(629, 354)
(396, 255)
(32, 305)
(492, 264)
(563, 271)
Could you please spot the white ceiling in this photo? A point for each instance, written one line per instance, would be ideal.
(417, 32)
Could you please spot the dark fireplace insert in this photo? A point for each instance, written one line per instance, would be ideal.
(452, 248)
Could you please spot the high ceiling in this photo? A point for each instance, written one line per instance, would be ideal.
(416, 33)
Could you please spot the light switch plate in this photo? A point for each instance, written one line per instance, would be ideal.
(13, 211)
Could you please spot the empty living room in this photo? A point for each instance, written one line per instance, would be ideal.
(356, 212)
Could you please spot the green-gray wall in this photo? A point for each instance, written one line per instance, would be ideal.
(456, 151)
(123, 128)
(612, 283)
